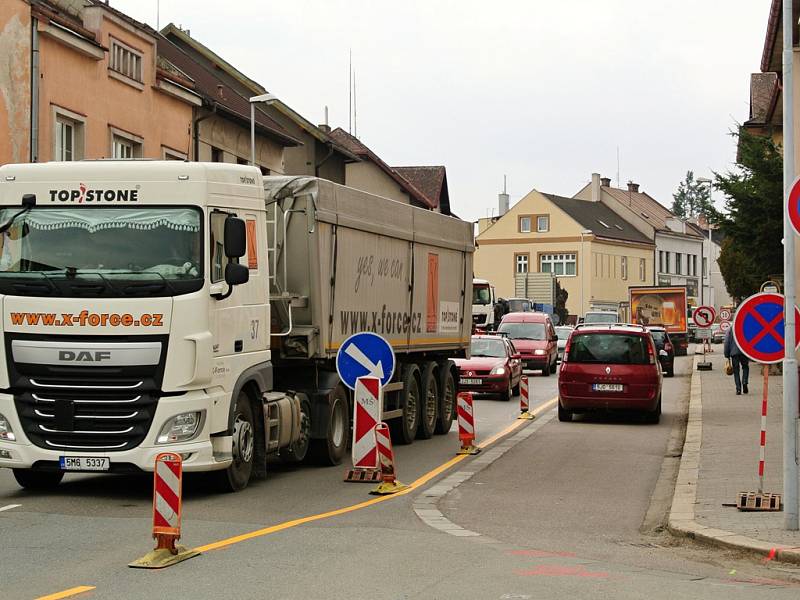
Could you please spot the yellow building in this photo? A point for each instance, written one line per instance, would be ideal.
(594, 253)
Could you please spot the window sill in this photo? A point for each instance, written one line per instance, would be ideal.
(125, 79)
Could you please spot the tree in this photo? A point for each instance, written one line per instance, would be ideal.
(560, 307)
(753, 227)
(693, 199)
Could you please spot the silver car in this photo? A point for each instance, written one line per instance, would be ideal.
(563, 333)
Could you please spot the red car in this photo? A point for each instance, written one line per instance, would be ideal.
(494, 367)
(534, 337)
(610, 367)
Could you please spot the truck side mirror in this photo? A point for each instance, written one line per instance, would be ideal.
(235, 237)
(236, 274)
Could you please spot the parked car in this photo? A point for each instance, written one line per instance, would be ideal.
(534, 337)
(609, 368)
(563, 333)
(665, 349)
(494, 367)
(717, 335)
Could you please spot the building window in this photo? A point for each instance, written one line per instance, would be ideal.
(524, 224)
(170, 154)
(125, 147)
(242, 161)
(694, 265)
(660, 261)
(216, 154)
(705, 267)
(558, 264)
(543, 223)
(125, 61)
(642, 269)
(624, 267)
(666, 262)
(68, 129)
(521, 263)
(678, 263)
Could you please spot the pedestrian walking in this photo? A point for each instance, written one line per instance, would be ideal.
(739, 362)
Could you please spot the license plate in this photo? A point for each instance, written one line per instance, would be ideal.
(470, 381)
(607, 387)
(84, 463)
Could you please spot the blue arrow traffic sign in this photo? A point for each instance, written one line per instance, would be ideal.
(758, 327)
(365, 354)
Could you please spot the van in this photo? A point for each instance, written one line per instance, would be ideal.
(534, 337)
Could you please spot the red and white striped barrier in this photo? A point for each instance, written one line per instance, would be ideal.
(524, 402)
(389, 483)
(167, 504)
(466, 424)
(368, 407)
(763, 438)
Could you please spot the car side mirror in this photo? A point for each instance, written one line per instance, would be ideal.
(516, 356)
(663, 353)
(235, 237)
(236, 274)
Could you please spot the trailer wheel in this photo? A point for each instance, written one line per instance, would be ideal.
(38, 480)
(331, 449)
(404, 429)
(237, 475)
(429, 402)
(296, 452)
(447, 400)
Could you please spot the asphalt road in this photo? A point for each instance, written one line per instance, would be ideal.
(572, 510)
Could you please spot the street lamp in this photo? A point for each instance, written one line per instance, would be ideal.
(268, 98)
(707, 181)
(583, 264)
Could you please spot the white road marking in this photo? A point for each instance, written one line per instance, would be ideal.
(9, 507)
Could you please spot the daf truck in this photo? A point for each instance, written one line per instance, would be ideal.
(152, 306)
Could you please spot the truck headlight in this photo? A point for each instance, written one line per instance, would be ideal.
(539, 352)
(6, 433)
(499, 370)
(180, 428)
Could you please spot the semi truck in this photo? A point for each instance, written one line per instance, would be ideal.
(483, 304)
(197, 308)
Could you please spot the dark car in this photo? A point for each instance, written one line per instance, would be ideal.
(610, 368)
(665, 349)
(494, 367)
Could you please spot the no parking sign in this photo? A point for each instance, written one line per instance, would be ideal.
(759, 327)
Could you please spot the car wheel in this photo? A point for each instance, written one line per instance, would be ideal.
(506, 396)
(38, 480)
(515, 389)
(546, 370)
(564, 415)
(554, 366)
(654, 416)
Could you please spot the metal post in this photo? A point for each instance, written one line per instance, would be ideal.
(790, 395)
(252, 134)
(583, 275)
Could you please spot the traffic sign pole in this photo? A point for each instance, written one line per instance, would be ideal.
(791, 493)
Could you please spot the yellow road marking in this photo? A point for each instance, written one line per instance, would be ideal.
(68, 593)
(422, 480)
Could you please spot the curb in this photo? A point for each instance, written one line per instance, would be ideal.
(681, 520)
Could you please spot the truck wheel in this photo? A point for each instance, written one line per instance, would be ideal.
(237, 475)
(447, 400)
(429, 402)
(331, 449)
(405, 428)
(38, 480)
(296, 452)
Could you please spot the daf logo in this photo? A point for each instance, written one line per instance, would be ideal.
(83, 356)
(608, 370)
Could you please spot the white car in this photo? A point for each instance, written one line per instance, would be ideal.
(563, 333)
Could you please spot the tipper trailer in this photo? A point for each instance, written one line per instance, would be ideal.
(198, 307)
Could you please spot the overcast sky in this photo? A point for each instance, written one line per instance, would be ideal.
(544, 91)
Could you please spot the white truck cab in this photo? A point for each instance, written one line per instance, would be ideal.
(483, 301)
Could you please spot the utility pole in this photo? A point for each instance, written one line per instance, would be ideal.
(790, 397)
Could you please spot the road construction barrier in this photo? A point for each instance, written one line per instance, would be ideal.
(368, 407)
(167, 492)
(389, 483)
(524, 403)
(466, 424)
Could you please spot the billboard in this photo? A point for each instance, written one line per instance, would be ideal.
(664, 306)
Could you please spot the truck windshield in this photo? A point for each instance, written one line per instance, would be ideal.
(481, 294)
(104, 251)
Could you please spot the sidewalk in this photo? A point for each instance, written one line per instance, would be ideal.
(720, 459)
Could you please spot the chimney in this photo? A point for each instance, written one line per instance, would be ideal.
(633, 187)
(605, 181)
(595, 187)
(502, 199)
(325, 127)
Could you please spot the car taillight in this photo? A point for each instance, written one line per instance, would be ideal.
(651, 354)
(566, 350)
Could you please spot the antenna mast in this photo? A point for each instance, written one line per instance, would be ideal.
(350, 94)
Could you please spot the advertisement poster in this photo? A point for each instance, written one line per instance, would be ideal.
(664, 306)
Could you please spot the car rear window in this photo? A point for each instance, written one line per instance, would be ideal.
(611, 348)
(659, 337)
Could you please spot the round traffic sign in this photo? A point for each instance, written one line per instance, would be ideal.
(704, 316)
(793, 205)
(758, 328)
(725, 314)
(724, 326)
(365, 354)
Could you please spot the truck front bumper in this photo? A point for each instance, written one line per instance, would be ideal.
(203, 453)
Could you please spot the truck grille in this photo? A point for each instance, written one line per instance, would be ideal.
(85, 409)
